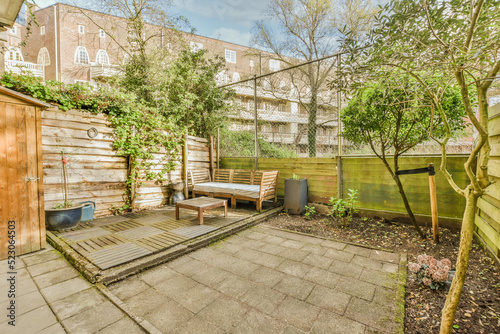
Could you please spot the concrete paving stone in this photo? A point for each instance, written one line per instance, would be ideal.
(322, 277)
(274, 240)
(199, 325)
(78, 302)
(32, 322)
(356, 288)
(18, 264)
(227, 247)
(257, 322)
(366, 252)
(333, 244)
(253, 244)
(329, 299)
(24, 287)
(239, 267)
(294, 268)
(318, 261)
(175, 285)
(255, 235)
(42, 268)
(379, 278)
(263, 298)
(390, 268)
(179, 261)
(290, 235)
(294, 254)
(146, 301)
(205, 254)
(64, 289)
(224, 312)
(385, 256)
(128, 287)
(197, 298)
(169, 317)
(272, 249)
(188, 268)
(370, 330)
(235, 286)
(20, 274)
(315, 249)
(367, 262)
(292, 244)
(29, 302)
(93, 319)
(292, 330)
(124, 325)
(385, 297)
(211, 276)
(41, 257)
(56, 328)
(346, 269)
(297, 313)
(295, 287)
(156, 275)
(339, 255)
(261, 258)
(56, 276)
(331, 323)
(370, 314)
(266, 276)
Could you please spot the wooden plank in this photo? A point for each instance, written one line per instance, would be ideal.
(77, 142)
(493, 235)
(12, 173)
(4, 187)
(25, 201)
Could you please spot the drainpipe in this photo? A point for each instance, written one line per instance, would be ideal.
(56, 44)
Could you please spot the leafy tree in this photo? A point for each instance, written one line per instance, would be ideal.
(242, 144)
(394, 115)
(458, 39)
(298, 30)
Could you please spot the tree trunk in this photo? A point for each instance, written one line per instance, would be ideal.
(466, 234)
(313, 110)
(407, 205)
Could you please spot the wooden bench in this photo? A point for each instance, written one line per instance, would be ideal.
(249, 185)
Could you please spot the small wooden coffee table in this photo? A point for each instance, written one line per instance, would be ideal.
(201, 204)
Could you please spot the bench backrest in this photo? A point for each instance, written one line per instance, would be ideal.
(240, 176)
(269, 182)
(198, 176)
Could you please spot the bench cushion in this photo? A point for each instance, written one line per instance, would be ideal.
(247, 190)
(215, 187)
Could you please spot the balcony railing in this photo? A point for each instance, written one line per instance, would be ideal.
(24, 67)
(103, 70)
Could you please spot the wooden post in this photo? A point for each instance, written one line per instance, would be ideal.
(432, 188)
(185, 167)
(212, 158)
(218, 148)
(132, 185)
(65, 180)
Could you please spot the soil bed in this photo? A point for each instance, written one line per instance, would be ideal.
(479, 308)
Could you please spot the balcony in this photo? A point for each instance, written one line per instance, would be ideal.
(101, 70)
(24, 67)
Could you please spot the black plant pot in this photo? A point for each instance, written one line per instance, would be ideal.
(295, 196)
(63, 219)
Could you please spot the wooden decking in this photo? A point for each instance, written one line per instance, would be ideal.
(112, 241)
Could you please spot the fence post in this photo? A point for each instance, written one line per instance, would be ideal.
(185, 166)
(218, 148)
(256, 163)
(434, 210)
(339, 140)
(212, 157)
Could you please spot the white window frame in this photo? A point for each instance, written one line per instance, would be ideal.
(42, 30)
(236, 77)
(101, 53)
(77, 55)
(13, 30)
(45, 57)
(251, 63)
(230, 56)
(81, 29)
(274, 65)
(102, 33)
(196, 46)
(13, 54)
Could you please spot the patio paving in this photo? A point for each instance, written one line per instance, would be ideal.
(265, 280)
(116, 240)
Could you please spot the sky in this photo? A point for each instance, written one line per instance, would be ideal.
(227, 20)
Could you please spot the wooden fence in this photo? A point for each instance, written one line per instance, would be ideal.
(95, 172)
(488, 215)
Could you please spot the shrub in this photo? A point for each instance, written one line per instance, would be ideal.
(343, 209)
(431, 272)
(310, 211)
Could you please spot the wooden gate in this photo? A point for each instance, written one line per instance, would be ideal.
(22, 219)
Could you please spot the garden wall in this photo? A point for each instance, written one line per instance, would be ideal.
(95, 172)
(488, 215)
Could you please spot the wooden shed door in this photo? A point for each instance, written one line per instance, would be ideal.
(21, 185)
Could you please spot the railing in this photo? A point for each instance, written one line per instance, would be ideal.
(103, 70)
(24, 67)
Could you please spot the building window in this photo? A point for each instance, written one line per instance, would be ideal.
(274, 65)
(14, 54)
(251, 63)
(195, 46)
(231, 56)
(102, 34)
(102, 57)
(42, 30)
(236, 77)
(13, 31)
(81, 55)
(43, 57)
(81, 29)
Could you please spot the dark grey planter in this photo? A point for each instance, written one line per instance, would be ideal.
(295, 196)
(63, 219)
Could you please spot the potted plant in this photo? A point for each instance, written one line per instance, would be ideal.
(63, 215)
(295, 195)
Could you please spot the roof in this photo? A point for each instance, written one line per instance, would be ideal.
(23, 97)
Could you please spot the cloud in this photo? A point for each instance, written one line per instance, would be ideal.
(232, 35)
